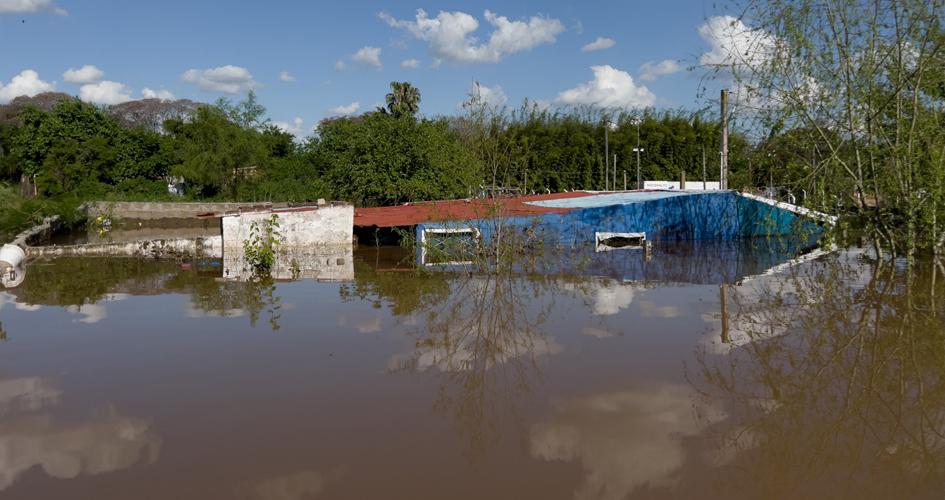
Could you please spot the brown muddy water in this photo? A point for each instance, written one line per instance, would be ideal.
(701, 373)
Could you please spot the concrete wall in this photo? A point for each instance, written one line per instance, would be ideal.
(149, 210)
(162, 248)
(322, 263)
(315, 243)
(329, 225)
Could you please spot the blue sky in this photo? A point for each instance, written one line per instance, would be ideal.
(340, 56)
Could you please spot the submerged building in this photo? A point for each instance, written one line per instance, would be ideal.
(604, 221)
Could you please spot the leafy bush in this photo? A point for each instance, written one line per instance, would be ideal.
(260, 250)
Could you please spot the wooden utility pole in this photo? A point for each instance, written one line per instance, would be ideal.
(723, 175)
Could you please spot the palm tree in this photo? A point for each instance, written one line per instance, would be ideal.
(403, 99)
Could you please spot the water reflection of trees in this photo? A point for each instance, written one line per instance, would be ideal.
(840, 390)
(81, 282)
(388, 276)
(77, 281)
(486, 340)
(480, 331)
(255, 298)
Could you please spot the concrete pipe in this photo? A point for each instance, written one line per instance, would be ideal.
(11, 256)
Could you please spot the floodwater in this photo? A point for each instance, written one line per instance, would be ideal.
(699, 371)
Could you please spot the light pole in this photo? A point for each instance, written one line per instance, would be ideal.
(608, 126)
(638, 150)
(606, 154)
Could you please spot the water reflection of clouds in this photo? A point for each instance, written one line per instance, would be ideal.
(606, 299)
(301, 485)
(6, 298)
(65, 449)
(462, 356)
(193, 311)
(93, 313)
(651, 309)
(362, 325)
(26, 393)
(595, 332)
(624, 440)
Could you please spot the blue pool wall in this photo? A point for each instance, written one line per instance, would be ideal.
(724, 215)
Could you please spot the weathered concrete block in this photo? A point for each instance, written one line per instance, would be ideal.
(300, 227)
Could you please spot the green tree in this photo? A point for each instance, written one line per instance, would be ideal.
(403, 99)
(862, 81)
(214, 154)
(380, 159)
(247, 113)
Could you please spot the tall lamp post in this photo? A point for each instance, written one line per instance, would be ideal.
(638, 150)
(608, 182)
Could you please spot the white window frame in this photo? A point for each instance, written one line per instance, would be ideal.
(445, 230)
(603, 235)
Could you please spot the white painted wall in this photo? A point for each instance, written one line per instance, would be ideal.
(316, 243)
(330, 225)
(322, 263)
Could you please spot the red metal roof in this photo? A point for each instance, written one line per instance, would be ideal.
(411, 214)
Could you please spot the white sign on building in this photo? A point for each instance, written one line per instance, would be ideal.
(674, 185)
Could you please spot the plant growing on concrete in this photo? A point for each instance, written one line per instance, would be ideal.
(260, 249)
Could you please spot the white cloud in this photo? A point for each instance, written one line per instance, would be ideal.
(450, 35)
(83, 75)
(490, 96)
(229, 79)
(410, 64)
(649, 71)
(285, 76)
(346, 109)
(578, 27)
(26, 83)
(339, 65)
(732, 42)
(368, 56)
(22, 6)
(600, 44)
(164, 95)
(610, 88)
(294, 128)
(105, 92)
